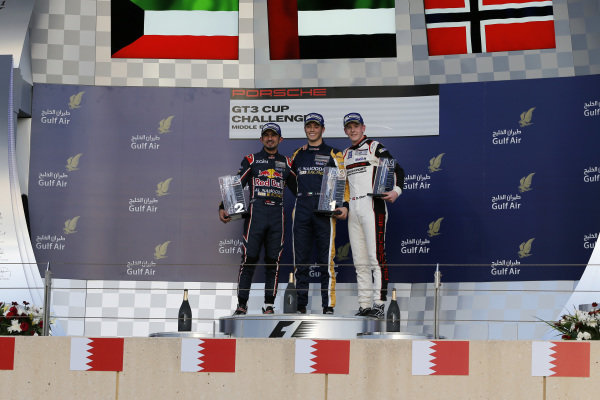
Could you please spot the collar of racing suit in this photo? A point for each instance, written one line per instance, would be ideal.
(356, 146)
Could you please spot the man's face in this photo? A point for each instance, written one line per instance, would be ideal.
(354, 131)
(314, 131)
(270, 140)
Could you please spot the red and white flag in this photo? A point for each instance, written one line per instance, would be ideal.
(208, 355)
(560, 359)
(7, 353)
(480, 26)
(97, 354)
(440, 357)
(322, 356)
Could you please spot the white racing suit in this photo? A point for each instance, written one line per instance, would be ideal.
(367, 219)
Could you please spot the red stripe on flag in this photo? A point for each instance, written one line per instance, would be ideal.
(450, 358)
(449, 40)
(182, 47)
(332, 357)
(283, 30)
(520, 36)
(218, 355)
(7, 353)
(571, 359)
(505, 2)
(429, 4)
(107, 354)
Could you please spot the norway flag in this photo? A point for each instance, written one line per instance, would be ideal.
(481, 26)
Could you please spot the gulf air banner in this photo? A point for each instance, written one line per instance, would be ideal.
(393, 111)
(124, 180)
(180, 29)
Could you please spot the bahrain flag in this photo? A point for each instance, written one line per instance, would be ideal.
(322, 356)
(208, 355)
(97, 354)
(7, 353)
(560, 359)
(440, 357)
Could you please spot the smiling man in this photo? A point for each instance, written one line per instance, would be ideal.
(310, 229)
(266, 173)
(367, 216)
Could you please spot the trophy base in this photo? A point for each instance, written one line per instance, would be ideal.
(234, 217)
(376, 195)
(327, 213)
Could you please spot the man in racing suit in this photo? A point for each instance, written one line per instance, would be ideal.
(310, 228)
(367, 215)
(266, 173)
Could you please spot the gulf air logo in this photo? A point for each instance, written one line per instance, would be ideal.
(71, 225)
(343, 252)
(73, 162)
(435, 163)
(75, 100)
(525, 248)
(434, 227)
(160, 251)
(525, 183)
(164, 126)
(162, 188)
(526, 117)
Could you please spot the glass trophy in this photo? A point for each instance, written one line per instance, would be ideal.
(384, 177)
(332, 191)
(232, 193)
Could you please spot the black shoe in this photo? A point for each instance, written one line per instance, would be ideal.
(240, 310)
(377, 311)
(327, 310)
(363, 312)
(301, 310)
(268, 310)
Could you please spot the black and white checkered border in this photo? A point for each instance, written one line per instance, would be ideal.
(475, 311)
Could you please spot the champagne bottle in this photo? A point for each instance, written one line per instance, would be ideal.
(184, 318)
(290, 297)
(393, 315)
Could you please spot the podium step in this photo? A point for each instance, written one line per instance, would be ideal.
(298, 326)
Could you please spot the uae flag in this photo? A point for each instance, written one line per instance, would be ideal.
(208, 355)
(180, 29)
(440, 357)
(560, 359)
(481, 26)
(322, 356)
(97, 354)
(315, 29)
(7, 353)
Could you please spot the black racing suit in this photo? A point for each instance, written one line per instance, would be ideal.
(266, 175)
(310, 228)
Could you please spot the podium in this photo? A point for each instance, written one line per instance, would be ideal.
(310, 326)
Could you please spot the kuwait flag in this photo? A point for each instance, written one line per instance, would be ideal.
(440, 357)
(322, 356)
(303, 29)
(208, 355)
(481, 26)
(7, 353)
(96, 354)
(560, 359)
(181, 29)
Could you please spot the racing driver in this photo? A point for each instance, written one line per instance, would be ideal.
(266, 173)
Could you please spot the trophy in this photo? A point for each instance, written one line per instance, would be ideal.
(384, 177)
(332, 191)
(232, 193)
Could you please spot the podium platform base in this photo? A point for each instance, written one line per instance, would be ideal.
(298, 326)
